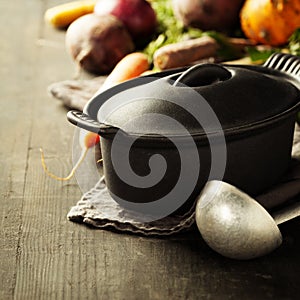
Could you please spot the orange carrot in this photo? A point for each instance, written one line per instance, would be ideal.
(130, 66)
(86, 140)
(148, 72)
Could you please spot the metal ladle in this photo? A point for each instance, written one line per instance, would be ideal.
(237, 226)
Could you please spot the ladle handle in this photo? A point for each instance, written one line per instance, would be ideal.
(84, 121)
(287, 213)
(286, 63)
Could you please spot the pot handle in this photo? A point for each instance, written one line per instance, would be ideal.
(84, 121)
(286, 63)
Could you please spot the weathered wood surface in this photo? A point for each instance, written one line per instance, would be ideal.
(44, 256)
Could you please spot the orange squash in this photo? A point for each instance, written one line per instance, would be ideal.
(270, 22)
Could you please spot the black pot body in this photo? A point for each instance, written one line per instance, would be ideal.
(256, 159)
(258, 135)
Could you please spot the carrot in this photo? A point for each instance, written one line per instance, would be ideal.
(87, 140)
(130, 66)
(148, 72)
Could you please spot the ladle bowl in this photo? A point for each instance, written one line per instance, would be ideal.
(234, 224)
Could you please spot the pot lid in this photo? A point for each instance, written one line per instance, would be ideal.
(202, 99)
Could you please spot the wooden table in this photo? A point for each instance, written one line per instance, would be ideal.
(45, 256)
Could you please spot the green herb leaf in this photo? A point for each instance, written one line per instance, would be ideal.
(226, 51)
(170, 30)
(260, 55)
(294, 43)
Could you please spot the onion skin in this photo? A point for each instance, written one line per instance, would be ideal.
(221, 15)
(138, 16)
(98, 43)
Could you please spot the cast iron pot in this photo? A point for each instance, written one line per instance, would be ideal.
(248, 144)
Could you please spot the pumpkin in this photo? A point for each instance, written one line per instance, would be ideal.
(270, 22)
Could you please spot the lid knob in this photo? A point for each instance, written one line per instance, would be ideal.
(203, 74)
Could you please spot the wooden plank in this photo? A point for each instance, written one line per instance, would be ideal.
(14, 135)
(47, 238)
(21, 91)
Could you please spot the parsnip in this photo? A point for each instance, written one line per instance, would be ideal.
(64, 14)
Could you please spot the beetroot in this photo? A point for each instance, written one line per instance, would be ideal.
(98, 43)
(219, 15)
(137, 15)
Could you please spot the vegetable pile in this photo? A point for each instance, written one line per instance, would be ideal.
(175, 33)
(125, 38)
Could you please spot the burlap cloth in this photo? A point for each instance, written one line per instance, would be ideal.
(98, 209)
